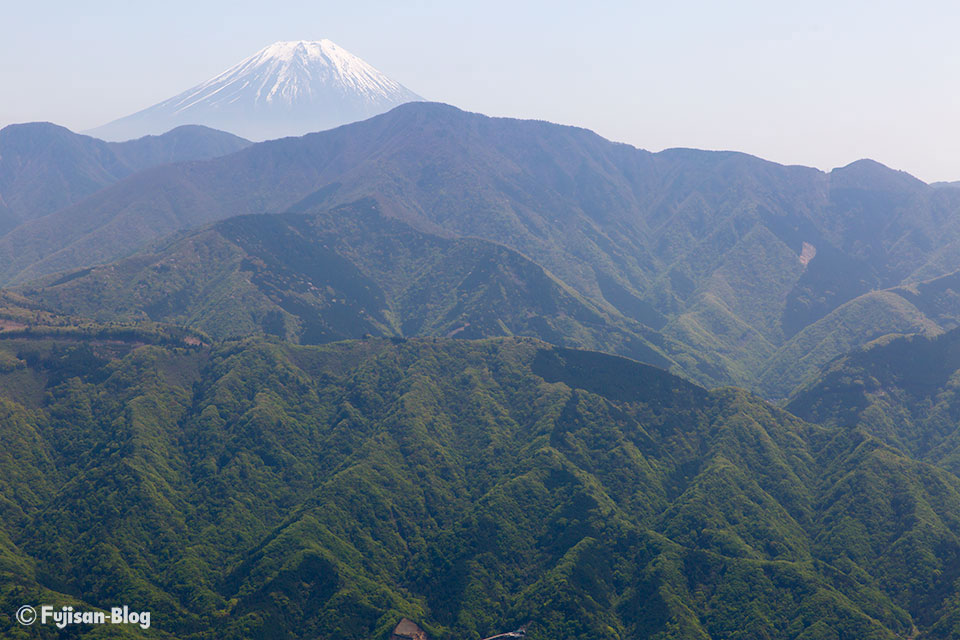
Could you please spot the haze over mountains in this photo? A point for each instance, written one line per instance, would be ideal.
(285, 89)
(747, 272)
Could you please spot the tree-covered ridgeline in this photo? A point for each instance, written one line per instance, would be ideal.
(258, 489)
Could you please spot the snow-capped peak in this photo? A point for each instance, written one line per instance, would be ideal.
(288, 71)
(286, 88)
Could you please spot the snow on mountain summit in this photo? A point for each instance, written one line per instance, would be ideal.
(286, 88)
(291, 71)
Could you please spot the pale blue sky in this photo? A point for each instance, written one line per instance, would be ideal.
(815, 83)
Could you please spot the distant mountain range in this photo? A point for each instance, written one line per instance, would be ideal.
(285, 89)
(747, 272)
(44, 167)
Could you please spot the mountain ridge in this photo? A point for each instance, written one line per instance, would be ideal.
(45, 167)
(343, 274)
(728, 254)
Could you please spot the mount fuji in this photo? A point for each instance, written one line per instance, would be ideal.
(285, 89)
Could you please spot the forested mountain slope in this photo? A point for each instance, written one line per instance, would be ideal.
(901, 389)
(727, 254)
(315, 278)
(257, 489)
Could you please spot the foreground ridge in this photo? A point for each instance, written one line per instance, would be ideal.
(330, 491)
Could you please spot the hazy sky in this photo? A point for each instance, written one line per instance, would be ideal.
(814, 83)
